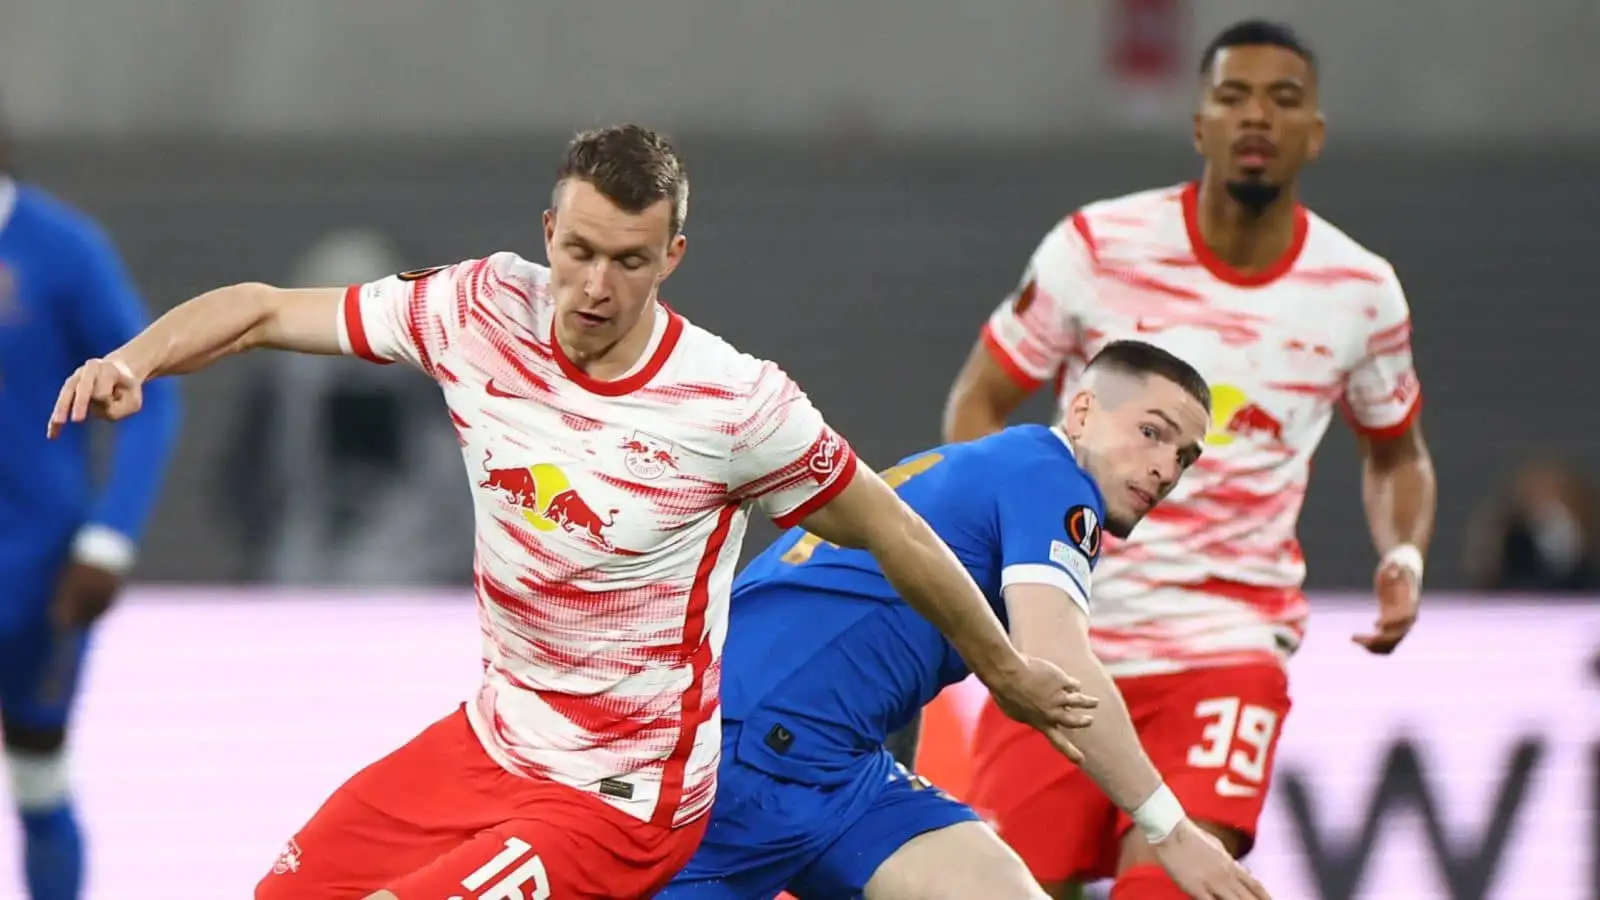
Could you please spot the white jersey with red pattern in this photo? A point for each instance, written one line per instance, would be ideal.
(609, 520)
(1213, 574)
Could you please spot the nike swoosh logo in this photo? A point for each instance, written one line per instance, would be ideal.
(494, 390)
(1227, 787)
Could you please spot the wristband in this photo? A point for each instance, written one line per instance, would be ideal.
(1160, 815)
(103, 548)
(122, 367)
(1407, 557)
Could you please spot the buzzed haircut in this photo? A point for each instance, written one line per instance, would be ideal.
(1142, 359)
(1256, 33)
(631, 166)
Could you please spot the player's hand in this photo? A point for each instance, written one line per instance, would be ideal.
(83, 594)
(1040, 694)
(1399, 597)
(103, 387)
(1203, 869)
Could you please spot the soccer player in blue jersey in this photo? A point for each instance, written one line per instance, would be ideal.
(823, 661)
(67, 539)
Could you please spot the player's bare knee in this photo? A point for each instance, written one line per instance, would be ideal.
(38, 780)
(954, 863)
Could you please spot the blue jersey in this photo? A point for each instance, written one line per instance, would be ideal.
(824, 660)
(64, 298)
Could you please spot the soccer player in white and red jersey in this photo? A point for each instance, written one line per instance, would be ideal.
(614, 450)
(1198, 610)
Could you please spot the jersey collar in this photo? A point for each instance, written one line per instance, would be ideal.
(8, 200)
(1061, 435)
(640, 375)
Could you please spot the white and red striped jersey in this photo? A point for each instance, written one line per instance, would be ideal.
(609, 520)
(1213, 574)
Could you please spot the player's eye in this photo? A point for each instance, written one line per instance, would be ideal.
(1150, 432)
(632, 263)
(1288, 99)
(579, 251)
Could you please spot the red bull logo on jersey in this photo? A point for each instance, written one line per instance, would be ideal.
(647, 458)
(1235, 415)
(548, 500)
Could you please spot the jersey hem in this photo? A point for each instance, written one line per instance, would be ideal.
(1386, 432)
(1242, 659)
(356, 330)
(821, 498)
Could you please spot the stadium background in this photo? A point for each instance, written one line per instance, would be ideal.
(868, 179)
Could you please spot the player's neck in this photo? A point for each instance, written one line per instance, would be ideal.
(1247, 240)
(623, 356)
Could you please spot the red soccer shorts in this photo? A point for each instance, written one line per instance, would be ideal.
(438, 819)
(1212, 733)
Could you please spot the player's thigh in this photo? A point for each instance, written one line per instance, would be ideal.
(953, 863)
(583, 850)
(1044, 807)
(1214, 737)
(383, 821)
(904, 808)
(348, 849)
(761, 834)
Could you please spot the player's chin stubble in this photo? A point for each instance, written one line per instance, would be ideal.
(1254, 194)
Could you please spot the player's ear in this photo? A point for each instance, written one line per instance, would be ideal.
(675, 250)
(1319, 134)
(549, 229)
(1076, 418)
(1199, 147)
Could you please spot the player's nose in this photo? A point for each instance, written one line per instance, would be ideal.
(597, 284)
(1165, 471)
(1255, 112)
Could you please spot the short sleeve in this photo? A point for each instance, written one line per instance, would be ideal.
(785, 457)
(1050, 530)
(417, 316)
(1382, 392)
(1033, 331)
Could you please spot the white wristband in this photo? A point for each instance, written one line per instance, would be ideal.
(1407, 557)
(122, 367)
(104, 548)
(1160, 815)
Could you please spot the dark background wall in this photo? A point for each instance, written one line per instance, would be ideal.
(866, 269)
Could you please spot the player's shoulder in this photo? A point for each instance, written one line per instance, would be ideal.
(1032, 458)
(1331, 249)
(705, 356)
(1139, 210)
(1148, 202)
(1127, 224)
(510, 270)
(502, 280)
(64, 225)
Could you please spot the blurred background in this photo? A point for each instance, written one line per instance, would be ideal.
(869, 178)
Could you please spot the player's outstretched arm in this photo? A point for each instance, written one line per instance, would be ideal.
(868, 515)
(196, 333)
(1046, 621)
